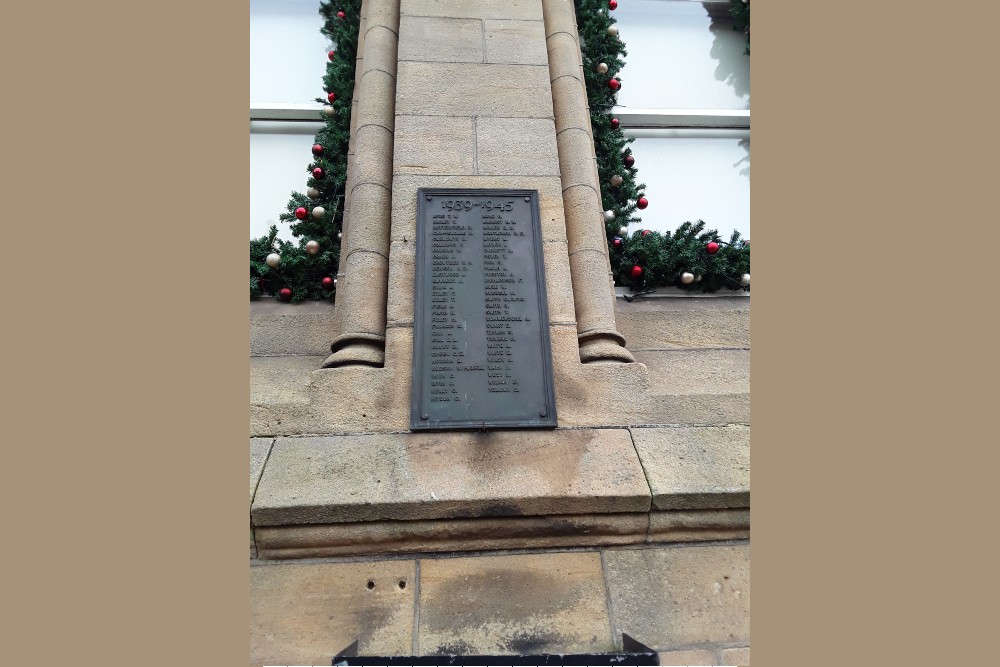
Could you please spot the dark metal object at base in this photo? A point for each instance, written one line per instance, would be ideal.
(634, 653)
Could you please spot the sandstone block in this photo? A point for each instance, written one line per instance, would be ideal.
(558, 283)
(699, 525)
(509, 605)
(700, 657)
(282, 380)
(475, 9)
(696, 468)
(468, 89)
(501, 147)
(402, 268)
(379, 86)
(434, 145)
(515, 42)
(444, 535)
(569, 99)
(304, 614)
(736, 656)
(682, 323)
(444, 39)
(373, 163)
(259, 448)
(679, 596)
(698, 371)
(284, 329)
(407, 476)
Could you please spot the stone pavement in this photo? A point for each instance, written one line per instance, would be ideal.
(690, 602)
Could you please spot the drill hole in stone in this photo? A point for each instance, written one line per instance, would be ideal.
(402, 584)
(371, 584)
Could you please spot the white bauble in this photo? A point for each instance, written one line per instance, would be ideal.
(312, 247)
(602, 68)
(745, 280)
(609, 215)
(328, 110)
(617, 180)
(313, 192)
(687, 278)
(613, 30)
(273, 259)
(623, 231)
(319, 212)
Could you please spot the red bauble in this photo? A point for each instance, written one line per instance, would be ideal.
(629, 160)
(712, 247)
(328, 283)
(332, 97)
(636, 271)
(613, 4)
(614, 84)
(301, 213)
(317, 149)
(615, 123)
(645, 232)
(318, 174)
(642, 203)
(618, 243)
(341, 15)
(331, 54)
(285, 293)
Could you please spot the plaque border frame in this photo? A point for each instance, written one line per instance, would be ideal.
(550, 420)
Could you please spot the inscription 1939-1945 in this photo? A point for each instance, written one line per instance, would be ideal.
(481, 353)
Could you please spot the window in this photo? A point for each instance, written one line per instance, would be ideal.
(685, 97)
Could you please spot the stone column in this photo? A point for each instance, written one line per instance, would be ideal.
(338, 310)
(590, 267)
(363, 294)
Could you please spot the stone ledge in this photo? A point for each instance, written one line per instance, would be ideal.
(409, 476)
(499, 533)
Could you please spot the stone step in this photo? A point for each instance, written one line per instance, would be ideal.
(435, 492)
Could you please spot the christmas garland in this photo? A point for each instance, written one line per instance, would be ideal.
(691, 258)
(307, 269)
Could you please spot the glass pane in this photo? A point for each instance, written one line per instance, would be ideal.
(287, 51)
(279, 155)
(679, 57)
(694, 175)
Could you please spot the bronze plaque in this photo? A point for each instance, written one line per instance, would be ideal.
(481, 353)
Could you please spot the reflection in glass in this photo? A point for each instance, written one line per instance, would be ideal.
(279, 155)
(680, 57)
(287, 51)
(695, 175)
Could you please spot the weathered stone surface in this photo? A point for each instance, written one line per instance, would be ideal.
(696, 468)
(372, 165)
(701, 409)
(568, 97)
(688, 658)
(443, 535)
(681, 323)
(253, 544)
(558, 283)
(434, 145)
(736, 656)
(443, 39)
(476, 9)
(404, 199)
(699, 525)
(282, 380)
(584, 392)
(402, 273)
(304, 614)
(283, 328)
(259, 448)
(468, 89)
(449, 475)
(349, 399)
(672, 597)
(503, 146)
(698, 371)
(382, 84)
(515, 42)
(508, 605)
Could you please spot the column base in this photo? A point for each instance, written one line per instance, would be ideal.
(606, 346)
(357, 350)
